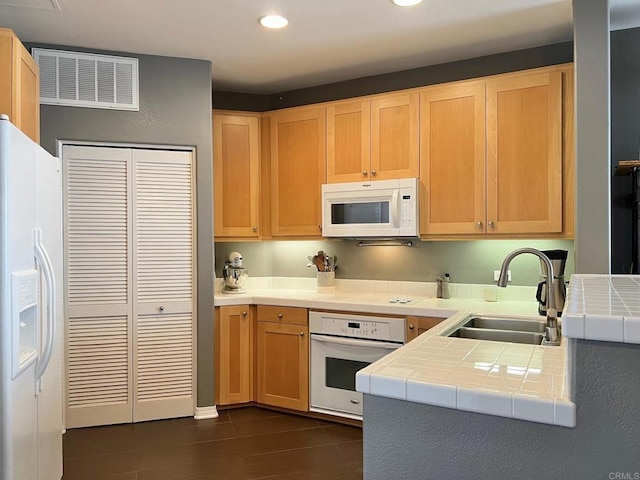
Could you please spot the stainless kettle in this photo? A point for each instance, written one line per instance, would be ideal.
(558, 260)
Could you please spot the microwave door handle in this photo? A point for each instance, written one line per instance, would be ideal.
(352, 342)
(394, 208)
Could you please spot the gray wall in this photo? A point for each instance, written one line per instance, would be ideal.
(592, 65)
(404, 440)
(466, 261)
(625, 139)
(447, 72)
(175, 99)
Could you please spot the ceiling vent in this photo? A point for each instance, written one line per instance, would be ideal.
(87, 80)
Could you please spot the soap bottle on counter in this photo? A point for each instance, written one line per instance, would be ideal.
(445, 286)
(439, 287)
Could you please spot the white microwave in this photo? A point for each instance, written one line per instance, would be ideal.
(380, 209)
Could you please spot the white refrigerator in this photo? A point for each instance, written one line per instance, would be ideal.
(31, 305)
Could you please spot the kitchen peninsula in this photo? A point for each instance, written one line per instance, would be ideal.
(406, 439)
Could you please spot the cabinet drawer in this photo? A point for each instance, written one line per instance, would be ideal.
(296, 316)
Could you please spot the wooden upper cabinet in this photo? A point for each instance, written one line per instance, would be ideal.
(524, 153)
(452, 159)
(19, 85)
(348, 142)
(373, 139)
(394, 136)
(297, 171)
(236, 165)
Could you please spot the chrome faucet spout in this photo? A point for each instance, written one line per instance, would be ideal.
(551, 332)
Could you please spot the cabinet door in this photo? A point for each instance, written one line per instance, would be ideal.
(163, 284)
(348, 142)
(283, 365)
(418, 325)
(234, 355)
(20, 91)
(297, 171)
(236, 166)
(524, 154)
(394, 138)
(452, 159)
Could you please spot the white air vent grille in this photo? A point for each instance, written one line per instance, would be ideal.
(87, 80)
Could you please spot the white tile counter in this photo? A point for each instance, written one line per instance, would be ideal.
(527, 382)
(375, 297)
(603, 307)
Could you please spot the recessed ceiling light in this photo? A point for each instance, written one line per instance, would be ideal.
(273, 21)
(406, 3)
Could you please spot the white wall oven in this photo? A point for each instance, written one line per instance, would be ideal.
(340, 346)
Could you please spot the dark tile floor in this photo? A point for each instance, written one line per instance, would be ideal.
(242, 444)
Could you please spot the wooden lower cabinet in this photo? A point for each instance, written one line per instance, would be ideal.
(234, 346)
(418, 325)
(283, 364)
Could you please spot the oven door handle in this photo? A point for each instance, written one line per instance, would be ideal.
(353, 342)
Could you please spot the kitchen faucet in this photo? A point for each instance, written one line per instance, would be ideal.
(552, 335)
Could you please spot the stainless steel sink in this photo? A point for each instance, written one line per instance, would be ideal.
(530, 338)
(497, 323)
(499, 329)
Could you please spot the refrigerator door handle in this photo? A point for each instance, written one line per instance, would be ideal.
(42, 258)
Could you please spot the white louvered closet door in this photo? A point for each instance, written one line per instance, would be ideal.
(163, 279)
(129, 271)
(99, 291)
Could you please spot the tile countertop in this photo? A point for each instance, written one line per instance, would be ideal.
(354, 296)
(603, 307)
(526, 382)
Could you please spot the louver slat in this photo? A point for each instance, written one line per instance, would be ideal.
(98, 361)
(164, 362)
(97, 231)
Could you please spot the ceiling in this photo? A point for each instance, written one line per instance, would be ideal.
(341, 40)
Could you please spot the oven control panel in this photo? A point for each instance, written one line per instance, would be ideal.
(358, 326)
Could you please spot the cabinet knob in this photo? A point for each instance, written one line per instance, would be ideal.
(479, 224)
(491, 224)
(244, 314)
(279, 315)
(411, 327)
(373, 173)
(365, 173)
(161, 308)
(255, 229)
(302, 334)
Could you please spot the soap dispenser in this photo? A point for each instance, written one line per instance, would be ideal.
(445, 286)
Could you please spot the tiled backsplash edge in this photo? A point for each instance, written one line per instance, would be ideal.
(383, 287)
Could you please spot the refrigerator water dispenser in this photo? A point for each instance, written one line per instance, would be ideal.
(24, 303)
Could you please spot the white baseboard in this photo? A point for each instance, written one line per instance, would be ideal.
(206, 412)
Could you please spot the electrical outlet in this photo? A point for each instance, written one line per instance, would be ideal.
(496, 275)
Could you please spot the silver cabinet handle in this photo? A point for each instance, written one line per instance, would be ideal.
(255, 229)
(373, 173)
(479, 224)
(365, 173)
(302, 334)
(354, 401)
(411, 327)
(244, 314)
(491, 224)
(279, 315)
(161, 308)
